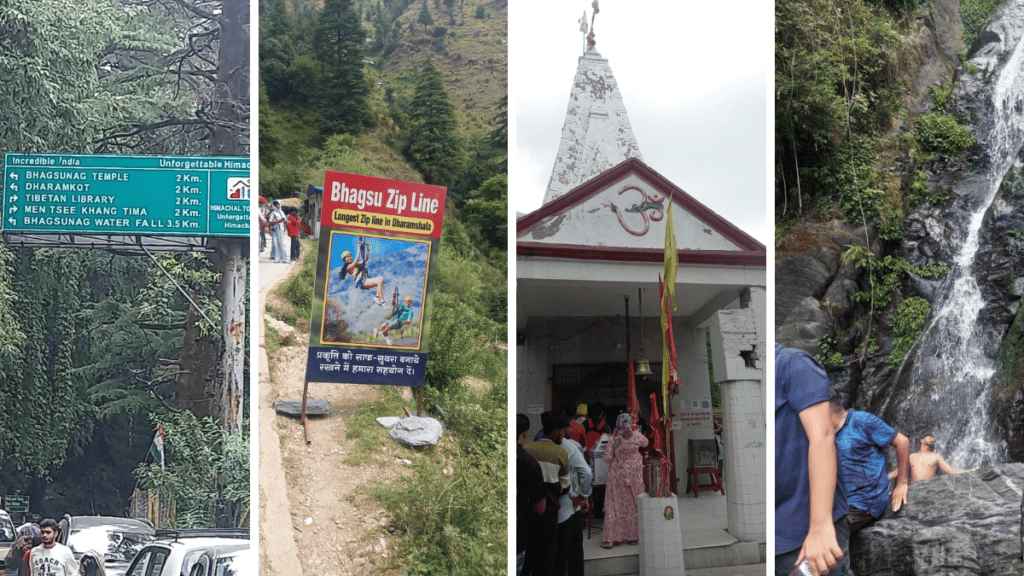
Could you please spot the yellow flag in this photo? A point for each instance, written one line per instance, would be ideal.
(669, 360)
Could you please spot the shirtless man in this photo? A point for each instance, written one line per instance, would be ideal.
(925, 463)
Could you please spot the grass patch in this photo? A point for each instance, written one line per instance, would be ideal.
(297, 291)
(273, 339)
(451, 511)
(363, 431)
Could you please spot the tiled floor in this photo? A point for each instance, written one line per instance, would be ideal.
(703, 519)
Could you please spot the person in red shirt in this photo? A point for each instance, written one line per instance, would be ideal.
(294, 224)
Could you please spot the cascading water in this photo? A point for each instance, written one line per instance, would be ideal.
(950, 371)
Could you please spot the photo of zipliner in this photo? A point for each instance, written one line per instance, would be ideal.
(375, 291)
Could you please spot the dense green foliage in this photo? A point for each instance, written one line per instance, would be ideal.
(886, 274)
(941, 133)
(906, 325)
(207, 471)
(834, 81)
(975, 14)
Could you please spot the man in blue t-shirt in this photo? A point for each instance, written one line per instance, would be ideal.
(863, 441)
(810, 509)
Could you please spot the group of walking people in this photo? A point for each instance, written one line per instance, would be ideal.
(573, 470)
(37, 552)
(277, 224)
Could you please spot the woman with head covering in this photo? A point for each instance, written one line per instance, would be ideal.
(625, 483)
(17, 561)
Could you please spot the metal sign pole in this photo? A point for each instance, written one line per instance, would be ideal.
(302, 415)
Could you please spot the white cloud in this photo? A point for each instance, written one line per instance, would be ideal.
(695, 80)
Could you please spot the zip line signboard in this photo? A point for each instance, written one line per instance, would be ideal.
(378, 245)
(126, 195)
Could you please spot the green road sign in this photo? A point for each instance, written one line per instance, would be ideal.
(16, 503)
(109, 194)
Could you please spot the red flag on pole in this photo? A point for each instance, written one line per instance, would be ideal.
(632, 402)
(658, 440)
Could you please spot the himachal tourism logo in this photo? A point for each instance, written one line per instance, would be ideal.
(238, 189)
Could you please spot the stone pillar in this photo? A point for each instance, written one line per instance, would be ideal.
(738, 357)
(661, 537)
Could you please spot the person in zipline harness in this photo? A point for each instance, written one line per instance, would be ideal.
(401, 316)
(359, 270)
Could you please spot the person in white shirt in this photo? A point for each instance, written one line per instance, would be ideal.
(51, 558)
(571, 508)
(278, 232)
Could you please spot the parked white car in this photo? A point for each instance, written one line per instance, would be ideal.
(104, 545)
(196, 553)
(6, 536)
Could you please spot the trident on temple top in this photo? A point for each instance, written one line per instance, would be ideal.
(589, 37)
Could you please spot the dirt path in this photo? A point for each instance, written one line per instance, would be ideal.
(327, 498)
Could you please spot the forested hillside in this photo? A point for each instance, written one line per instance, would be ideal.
(98, 347)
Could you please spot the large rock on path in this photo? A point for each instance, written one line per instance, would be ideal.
(965, 525)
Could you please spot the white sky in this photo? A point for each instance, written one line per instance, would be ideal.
(694, 76)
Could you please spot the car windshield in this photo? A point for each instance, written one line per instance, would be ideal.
(6, 529)
(114, 544)
(241, 563)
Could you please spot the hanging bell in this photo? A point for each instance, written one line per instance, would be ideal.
(643, 367)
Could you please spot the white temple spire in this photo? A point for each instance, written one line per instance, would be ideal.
(596, 134)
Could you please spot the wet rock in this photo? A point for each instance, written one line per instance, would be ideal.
(966, 525)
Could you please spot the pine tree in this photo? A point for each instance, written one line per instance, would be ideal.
(382, 23)
(433, 145)
(424, 17)
(450, 6)
(277, 49)
(339, 48)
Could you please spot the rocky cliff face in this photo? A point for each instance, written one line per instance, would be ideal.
(965, 525)
(1001, 277)
(947, 384)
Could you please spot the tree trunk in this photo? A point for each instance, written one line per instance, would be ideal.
(234, 277)
(232, 106)
(232, 88)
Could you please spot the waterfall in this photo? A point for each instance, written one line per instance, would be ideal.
(950, 377)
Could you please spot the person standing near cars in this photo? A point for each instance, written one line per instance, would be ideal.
(51, 558)
(17, 559)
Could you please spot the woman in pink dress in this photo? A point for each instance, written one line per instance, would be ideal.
(625, 483)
